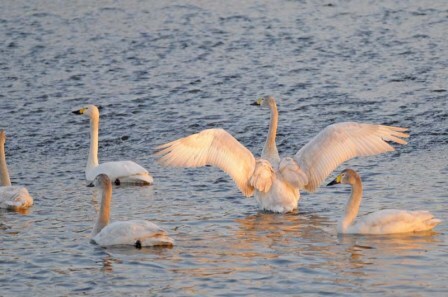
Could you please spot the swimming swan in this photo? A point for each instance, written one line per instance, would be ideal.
(119, 171)
(276, 182)
(137, 233)
(11, 197)
(386, 221)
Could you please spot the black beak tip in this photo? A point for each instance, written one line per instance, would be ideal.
(334, 182)
(91, 185)
(76, 112)
(254, 104)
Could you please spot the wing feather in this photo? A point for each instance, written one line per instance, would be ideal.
(340, 142)
(214, 147)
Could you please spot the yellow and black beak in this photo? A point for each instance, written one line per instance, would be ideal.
(80, 111)
(258, 102)
(337, 180)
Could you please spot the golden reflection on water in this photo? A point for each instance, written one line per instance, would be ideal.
(22, 211)
(254, 244)
(391, 244)
(107, 264)
(262, 241)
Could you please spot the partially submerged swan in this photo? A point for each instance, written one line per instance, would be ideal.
(276, 182)
(138, 233)
(11, 197)
(119, 172)
(386, 221)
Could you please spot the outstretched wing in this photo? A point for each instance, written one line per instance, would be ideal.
(211, 147)
(292, 173)
(340, 142)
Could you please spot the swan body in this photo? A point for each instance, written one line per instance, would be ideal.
(138, 233)
(119, 171)
(11, 197)
(387, 221)
(276, 181)
(15, 197)
(127, 172)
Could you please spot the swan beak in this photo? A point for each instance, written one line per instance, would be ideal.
(80, 111)
(258, 102)
(91, 185)
(337, 180)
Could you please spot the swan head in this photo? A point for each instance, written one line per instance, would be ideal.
(2, 137)
(102, 181)
(265, 101)
(347, 176)
(89, 110)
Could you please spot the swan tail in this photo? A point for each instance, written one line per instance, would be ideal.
(433, 222)
(22, 199)
(138, 179)
(159, 239)
(428, 221)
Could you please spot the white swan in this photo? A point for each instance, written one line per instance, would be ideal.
(386, 221)
(276, 182)
(119, 171)
(137, 233)
(11, 197)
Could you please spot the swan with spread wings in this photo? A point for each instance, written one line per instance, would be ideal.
(276, 181)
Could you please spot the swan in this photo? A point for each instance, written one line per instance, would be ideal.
(386, 221)
(276, 182)
(138, 233)
(11, 197)
(119, 171)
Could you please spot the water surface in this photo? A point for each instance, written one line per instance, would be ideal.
(163, 70)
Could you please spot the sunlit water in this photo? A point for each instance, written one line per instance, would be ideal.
(166, 69)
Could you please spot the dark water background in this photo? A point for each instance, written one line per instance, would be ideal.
(166, 69)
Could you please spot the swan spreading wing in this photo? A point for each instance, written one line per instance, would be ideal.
(212, 147)
(291, 173)
(340, 142)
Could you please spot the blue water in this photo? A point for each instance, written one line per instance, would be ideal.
(166, 69)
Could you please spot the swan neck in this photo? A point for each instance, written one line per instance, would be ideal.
(104, 214)
(92, 161)
(4, 174)
(270, 147)
(352, 206)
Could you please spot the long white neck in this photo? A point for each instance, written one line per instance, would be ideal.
(4, 175)
(92, 161)
(352, 206)
(104, 214)
(270, 151)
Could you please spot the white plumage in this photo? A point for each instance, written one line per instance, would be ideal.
(276, 182)
(137, 233)
(387, 221)
(11, 197)
(15, 197)
(133, 232)
(119, 171)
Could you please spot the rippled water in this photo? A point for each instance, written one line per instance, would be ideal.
(166, 69)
